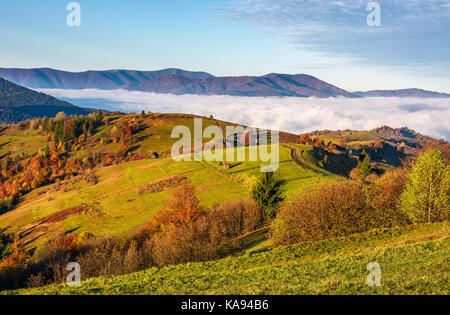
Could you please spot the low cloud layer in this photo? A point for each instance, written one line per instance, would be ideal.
(297, 115)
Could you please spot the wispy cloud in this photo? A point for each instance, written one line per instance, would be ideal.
(413, 32)
(296, 115)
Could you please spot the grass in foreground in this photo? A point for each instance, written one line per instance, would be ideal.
(413, 259)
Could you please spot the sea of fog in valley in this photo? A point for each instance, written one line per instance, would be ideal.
(297, 115)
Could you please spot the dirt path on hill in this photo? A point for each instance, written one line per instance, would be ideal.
(301, 164)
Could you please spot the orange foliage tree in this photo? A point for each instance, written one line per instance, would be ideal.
(18, 257)
(304, 139)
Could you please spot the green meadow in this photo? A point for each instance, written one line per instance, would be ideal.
(122, 210)
(413, 260)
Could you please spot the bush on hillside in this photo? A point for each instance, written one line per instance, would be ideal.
(396, 198)
(383, 199)
(211, 236)
(333, 210)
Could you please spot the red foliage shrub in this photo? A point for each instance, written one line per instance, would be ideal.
(332, 210)
(18, 258)
(340, 209)
(63, 244)
(208, 237)
(383, 199)
(304, 139)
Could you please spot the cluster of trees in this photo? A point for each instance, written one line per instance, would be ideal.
(66, 131)
(123, 135)
(417, 194)
(21, 174)
(315, 141)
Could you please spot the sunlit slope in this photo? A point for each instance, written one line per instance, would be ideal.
(113, 205)
(14, 141)
(153, 135)
(413, 260)
(116, 207)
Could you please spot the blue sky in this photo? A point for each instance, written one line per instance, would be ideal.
(325, 38)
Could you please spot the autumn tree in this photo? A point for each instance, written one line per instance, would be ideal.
(378, 145)
(18, 257)
(357, 175)
(60, 116)
(426, 197)
(317, 142)
(304, 139)
(440, 145)
(185, 205)
(114, 133)
(342, 141)
(183, 210)
(127, 134)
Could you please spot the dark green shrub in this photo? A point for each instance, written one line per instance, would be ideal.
(268, 193)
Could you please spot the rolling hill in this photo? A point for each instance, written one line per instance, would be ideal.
(108, 199)
(115, 195)
(18, 103)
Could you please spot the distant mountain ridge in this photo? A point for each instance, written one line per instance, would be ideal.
(301, 85)
(18, 103)
(403, 93)
(47, 78)
(177, 81)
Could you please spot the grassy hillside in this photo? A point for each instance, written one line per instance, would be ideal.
(112, 206)
(117, 207)
(413, 260)
(14, 141)
(113, 203)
